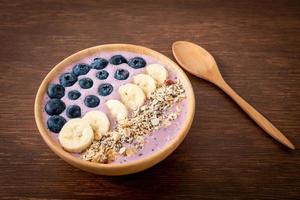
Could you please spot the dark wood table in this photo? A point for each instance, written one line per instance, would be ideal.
(225, 155)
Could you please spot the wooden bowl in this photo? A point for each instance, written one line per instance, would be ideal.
(124, 168)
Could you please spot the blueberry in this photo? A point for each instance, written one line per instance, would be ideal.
(91, 101)
(55, 123)
(105, 89)
(73, 111)
(99, 63)
(117, 60)
(121, 74)
(137, 62)
(102, 75)
(56, 91)
(67, 79)
(55, 107)
(81, 69)
(86, 83)
(74, 94)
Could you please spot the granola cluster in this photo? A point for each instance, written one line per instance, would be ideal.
(129, 135)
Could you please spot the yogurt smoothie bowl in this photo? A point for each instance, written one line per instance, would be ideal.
(114, 109)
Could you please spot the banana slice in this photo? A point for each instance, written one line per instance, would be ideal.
(98, 121)
(146, 82)
(76, 135)
(117, 109)
(132, 96)
(158, 72)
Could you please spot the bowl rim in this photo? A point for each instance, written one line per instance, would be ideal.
(157, 155)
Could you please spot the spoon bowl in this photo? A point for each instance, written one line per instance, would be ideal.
(189, 54)
(201, 63)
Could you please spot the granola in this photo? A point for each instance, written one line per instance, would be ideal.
(128, 136)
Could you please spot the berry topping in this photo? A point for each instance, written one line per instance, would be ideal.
(169, 82)
(91, 101)
(105, 89)
(74, 94)
(86, 83)
(55, 123)
(81, 69)
(55, 107)
(67, 79)
(121, 74)
(99, 63)
(117, 60)
(102, 75)
(137, 62)
(56, 91)
(73, 111)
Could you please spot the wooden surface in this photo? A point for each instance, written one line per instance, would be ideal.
(225, 155)
(199, 62)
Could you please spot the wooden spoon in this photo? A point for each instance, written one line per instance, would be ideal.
(199, 62)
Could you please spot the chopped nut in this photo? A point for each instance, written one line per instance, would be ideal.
(166, 123)
(155, 121)
(140, 139)
(111, 156)
(172, 116)
(97, 135)
(122, 150)
(129, 152)
(96, 158)
(116, 136)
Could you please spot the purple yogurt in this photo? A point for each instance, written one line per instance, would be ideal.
(154, 142)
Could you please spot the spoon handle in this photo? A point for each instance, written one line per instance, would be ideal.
(265, 124)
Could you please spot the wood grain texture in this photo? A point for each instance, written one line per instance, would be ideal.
(225, 155)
